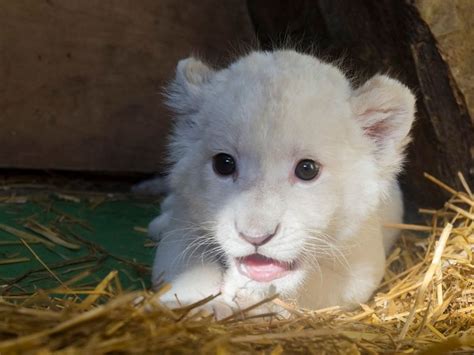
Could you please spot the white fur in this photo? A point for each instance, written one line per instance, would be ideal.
(154, 187)
(270, 110)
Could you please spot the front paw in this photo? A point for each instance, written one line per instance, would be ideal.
(213, 306)
(249, 302)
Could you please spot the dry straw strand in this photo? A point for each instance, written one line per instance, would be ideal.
(425, 305)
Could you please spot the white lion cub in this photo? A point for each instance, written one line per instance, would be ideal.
(282, 177)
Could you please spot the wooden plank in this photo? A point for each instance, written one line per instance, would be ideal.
(80, 81)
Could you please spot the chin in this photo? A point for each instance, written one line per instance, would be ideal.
(288, 285)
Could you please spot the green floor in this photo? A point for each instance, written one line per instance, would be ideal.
(109, 233)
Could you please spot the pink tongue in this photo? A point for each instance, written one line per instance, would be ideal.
(262, 269)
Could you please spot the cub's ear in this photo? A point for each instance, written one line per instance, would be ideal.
(184, 93)
(385, 109)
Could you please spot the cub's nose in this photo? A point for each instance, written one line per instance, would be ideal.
(258, 240)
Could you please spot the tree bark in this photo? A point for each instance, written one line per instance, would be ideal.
(385, 36)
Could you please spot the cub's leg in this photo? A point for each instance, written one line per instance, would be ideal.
(192, 278)
(346, 283)
(184, 259)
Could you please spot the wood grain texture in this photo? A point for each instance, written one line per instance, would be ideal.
(80, 81)
(386, 36)
(452, 24)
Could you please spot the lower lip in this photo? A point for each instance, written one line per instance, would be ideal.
(262, 269)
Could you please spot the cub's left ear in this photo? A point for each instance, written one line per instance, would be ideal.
(385, 109)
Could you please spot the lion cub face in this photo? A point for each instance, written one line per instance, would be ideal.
(278, 159)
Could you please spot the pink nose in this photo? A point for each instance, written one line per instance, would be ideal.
(258, 240)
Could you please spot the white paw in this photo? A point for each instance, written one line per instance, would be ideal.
(216, 307)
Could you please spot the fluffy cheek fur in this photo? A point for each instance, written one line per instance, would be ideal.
(362, 191)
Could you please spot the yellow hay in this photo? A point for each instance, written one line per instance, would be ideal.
(425, 304)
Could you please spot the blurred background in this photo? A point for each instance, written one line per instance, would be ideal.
(80, 82)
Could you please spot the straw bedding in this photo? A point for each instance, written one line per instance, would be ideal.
(425, 304)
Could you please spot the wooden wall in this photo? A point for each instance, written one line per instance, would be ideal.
(80, 80)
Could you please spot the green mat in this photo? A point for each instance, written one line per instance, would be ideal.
(109, 235)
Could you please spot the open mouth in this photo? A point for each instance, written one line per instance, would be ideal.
(262, 269)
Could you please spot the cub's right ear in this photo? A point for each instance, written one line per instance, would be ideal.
(184, 93)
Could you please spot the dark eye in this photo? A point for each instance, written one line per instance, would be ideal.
(307, 169)
(223, 164)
